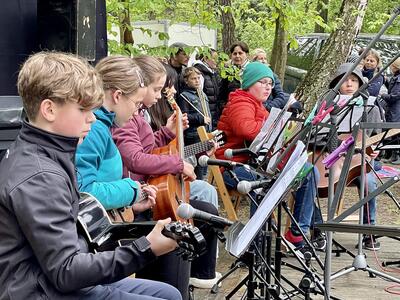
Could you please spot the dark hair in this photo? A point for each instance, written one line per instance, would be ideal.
(161, 111)
(178, 47)
(206, 54)
(242, 45)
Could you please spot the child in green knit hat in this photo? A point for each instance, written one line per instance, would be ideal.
(255, 71)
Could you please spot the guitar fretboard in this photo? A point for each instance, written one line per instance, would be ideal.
(197, 148)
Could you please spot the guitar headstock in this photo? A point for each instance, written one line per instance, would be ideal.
(188, 237)
(172, 103)
(218, 136)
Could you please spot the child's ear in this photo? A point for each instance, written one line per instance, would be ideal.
(48, 110)
(116, 96)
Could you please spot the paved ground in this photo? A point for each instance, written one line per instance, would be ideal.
(354, 285)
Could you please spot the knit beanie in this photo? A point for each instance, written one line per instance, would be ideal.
(254, 72)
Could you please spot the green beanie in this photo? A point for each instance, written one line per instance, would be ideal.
(254, 72)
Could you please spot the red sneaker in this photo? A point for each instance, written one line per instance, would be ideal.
(296, 240)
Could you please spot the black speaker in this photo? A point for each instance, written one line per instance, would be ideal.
(68, 26)
(28, 26)
(17, 42)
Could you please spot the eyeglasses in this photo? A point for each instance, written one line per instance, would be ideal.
(138, 105)
(266, 83)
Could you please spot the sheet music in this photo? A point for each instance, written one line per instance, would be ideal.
(271, 199)
(268, 129)
(277, 146)
(276, 130)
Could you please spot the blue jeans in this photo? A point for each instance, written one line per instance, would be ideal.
(241, 174)
(305, 211)
(132, 289)
(304, 207)
(203, 191)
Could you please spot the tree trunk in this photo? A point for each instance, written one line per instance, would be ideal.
(279, 49)
(322, 9)
(228, 24)
(334, 53)
(126, 36)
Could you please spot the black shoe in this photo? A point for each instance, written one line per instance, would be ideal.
(306, 253)
(319, 241)
(370, 243)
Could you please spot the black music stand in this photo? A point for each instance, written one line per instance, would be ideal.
(240, 236)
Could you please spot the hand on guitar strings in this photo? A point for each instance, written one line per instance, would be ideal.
(149, 193)
(213, 149)
(188, 171)
(171, 122)
(160, 244)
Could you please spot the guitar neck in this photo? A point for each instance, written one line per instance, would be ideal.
(197, 148)
(376, 138)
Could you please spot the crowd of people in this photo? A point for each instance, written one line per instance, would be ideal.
(95, 130)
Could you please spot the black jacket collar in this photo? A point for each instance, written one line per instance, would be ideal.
(47, 139)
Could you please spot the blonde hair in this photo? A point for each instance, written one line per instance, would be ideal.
(257, 52)
(120, 73)
(189, 71)
(375, 54)
(396, 63)
(151, 67)
(60, 77)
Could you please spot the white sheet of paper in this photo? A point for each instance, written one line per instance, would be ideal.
(271, 199)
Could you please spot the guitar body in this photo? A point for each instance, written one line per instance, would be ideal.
(354, 172)
(169, 194)
(121, 215)
(354, 169)
(97, 232)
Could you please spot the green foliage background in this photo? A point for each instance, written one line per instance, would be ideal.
(255, 19)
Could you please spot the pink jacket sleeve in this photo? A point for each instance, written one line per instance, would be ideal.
(163, 137)
(136, 159)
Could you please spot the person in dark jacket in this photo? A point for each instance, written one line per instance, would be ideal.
(372, 63)
(194, 102)
(178, 60)
(392, 100)
(207, 65)
(41, 256)
(239, 52)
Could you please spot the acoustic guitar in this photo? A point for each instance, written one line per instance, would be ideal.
(355, 166)
(99, 233)
(217, 136)
(172, 189)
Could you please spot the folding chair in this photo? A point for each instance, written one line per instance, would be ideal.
(230, 198)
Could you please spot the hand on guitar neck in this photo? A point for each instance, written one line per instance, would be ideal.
(171, 122)
(147, 199)
(159, 243)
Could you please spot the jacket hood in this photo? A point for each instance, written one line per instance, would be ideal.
(343, 68)
(203, 67)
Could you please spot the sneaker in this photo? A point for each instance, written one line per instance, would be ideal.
(295, 243)
(319, 241)
(295, 240)
(205, 283)
(370, 243)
